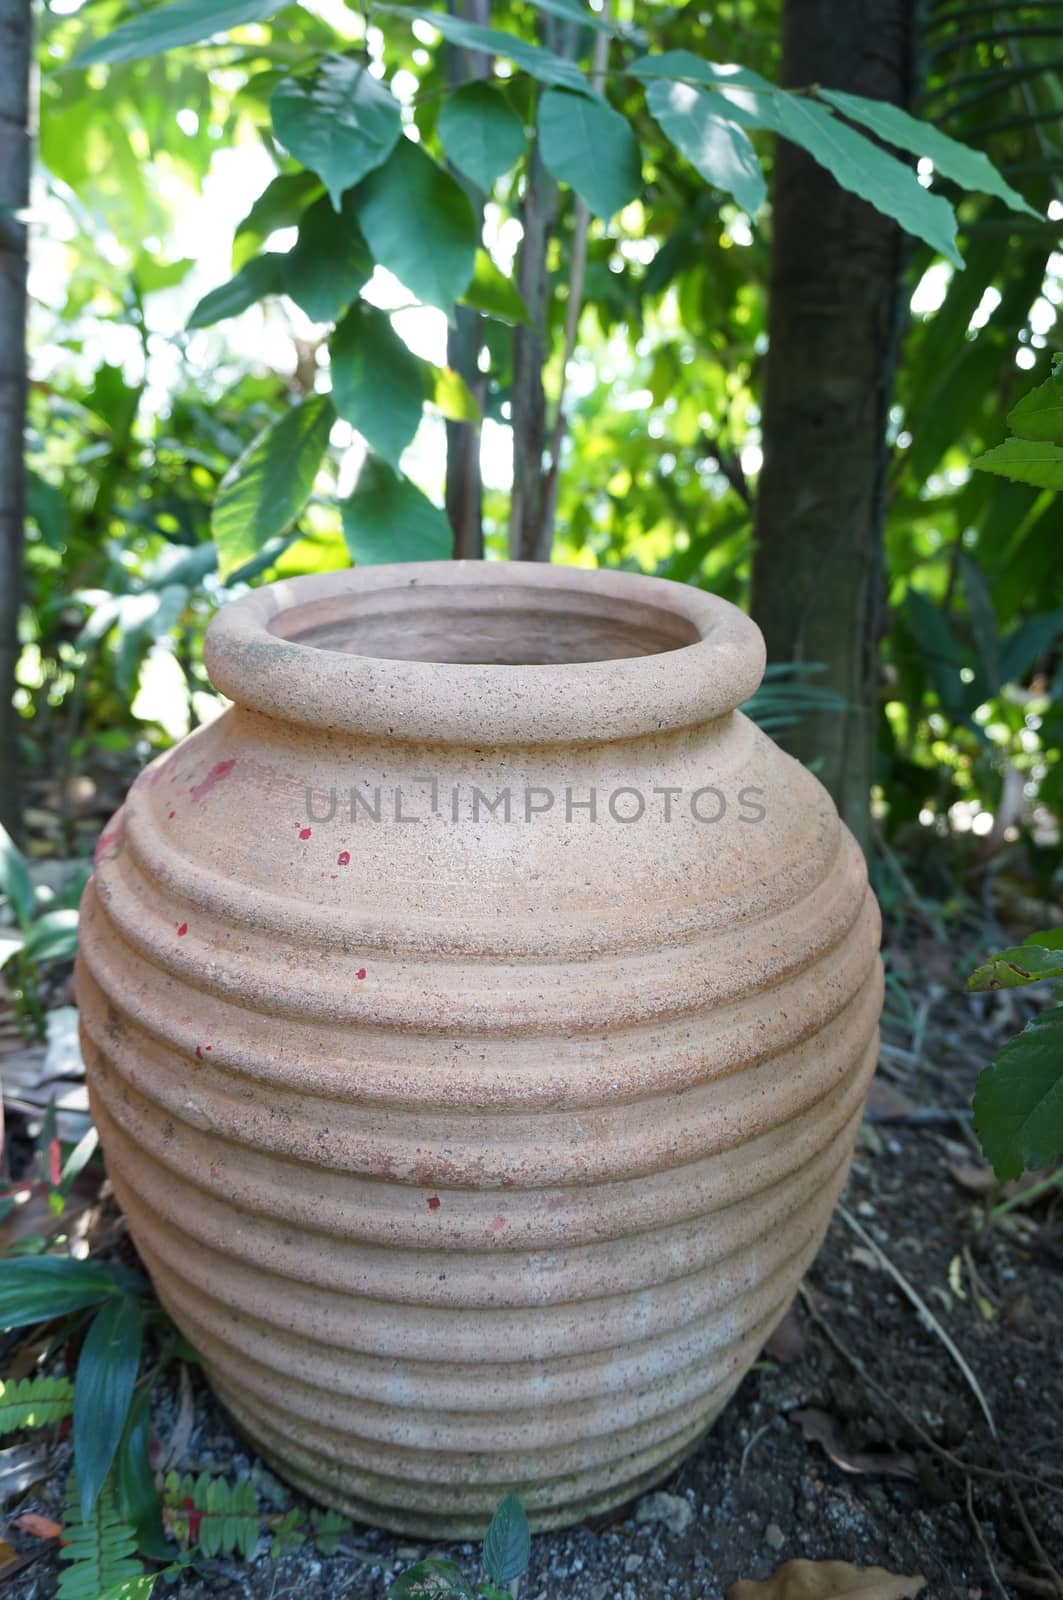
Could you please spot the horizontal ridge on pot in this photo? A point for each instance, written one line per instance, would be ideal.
(478, 1147)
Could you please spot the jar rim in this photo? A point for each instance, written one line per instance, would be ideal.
(257, 655)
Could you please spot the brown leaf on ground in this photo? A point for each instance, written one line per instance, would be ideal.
(819, 1427)
(828, 1580)
(973, 1177)
(887, 1104)
(787, 1342)
(40, 1527)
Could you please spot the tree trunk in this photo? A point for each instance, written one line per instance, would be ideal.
(834, 322)
(464, 487)
(15, 39)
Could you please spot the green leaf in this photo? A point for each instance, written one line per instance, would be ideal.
(53, 937)
(98, 1550)
(480, 133)
(376, 381)
(431, 1580)
(1039, 414)
(1030, 962)
(744, 96)
(532, 58)
(867, 170)
(1018, 1102)
(969, 168)
(134, 1588)
(1027, 643)
(941, 653)
(340, 121)
(448, 391)
(1025, 461)
(169, 27)
(15, 881)
(106, 1376)
(493, 293)
(265, 490)
(329, 262)
(507, 1542)
(574, 11)
(35, 1402)
(387, 518)
(280, 205)
(138, 1502)
(42, 1287)
(719, 150)
(586, 144)
(262, 275)
(420, 225)
(983, 619)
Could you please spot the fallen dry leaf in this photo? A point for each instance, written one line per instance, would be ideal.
(976, 1179)
(828, 1580)
(819, 1427)
(886, 1104)
(40, 1527)
(787, 1342)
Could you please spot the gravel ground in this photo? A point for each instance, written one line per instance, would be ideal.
(856, 1437)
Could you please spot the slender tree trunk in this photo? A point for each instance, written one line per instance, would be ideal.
(834, 322)
(464, 487)
(16, 33)
(529, 532)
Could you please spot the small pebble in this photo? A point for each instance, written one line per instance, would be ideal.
(633, 1562)
(774, 1536)
(671, 1509)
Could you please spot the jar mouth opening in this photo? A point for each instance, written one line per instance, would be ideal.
(467, 623)
(485, 653)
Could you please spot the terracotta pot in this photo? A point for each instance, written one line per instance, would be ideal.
(478, 1153)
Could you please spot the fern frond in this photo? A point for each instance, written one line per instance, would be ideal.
(212, 1515)
(328, 1527)
(34, 1402)
(100, 1552)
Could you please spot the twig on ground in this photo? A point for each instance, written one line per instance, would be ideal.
(745, 1453)
(980, 1536)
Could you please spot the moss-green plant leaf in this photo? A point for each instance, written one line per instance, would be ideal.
(588, 145)
(169, 27)
(420, 225)
(264, 491)
(387, 518)
(260, 276)
(714, 145)
(106, 1376)
(1033, 461)
(1018, 1102)
(480, 133)
(329, 262)
(339, 121)
(376, 381)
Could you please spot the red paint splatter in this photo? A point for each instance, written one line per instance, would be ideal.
(106, 838)
(434, 1202)
(360, 973)
(304, 833)
(55, 1165)
(210, 1047)
(344, 858)
(171, 816)
(199, 1053)
(215, 775)
(215, 1174)
(499, 1222)
(182, 929)
(195, 1518)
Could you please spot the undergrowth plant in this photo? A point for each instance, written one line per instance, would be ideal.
(506, 1551)
(44, 931)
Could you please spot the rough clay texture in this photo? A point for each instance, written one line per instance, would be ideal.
(476, 1153)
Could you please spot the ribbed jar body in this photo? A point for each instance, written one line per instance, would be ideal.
(478, 1146)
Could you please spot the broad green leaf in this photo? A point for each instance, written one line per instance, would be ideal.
(15, 882)
(1025, 461)
(507, 1542)
(38, 1288)
(1031, 962)
(140, 1588)
(943, 657)
(716, 147)
(1039, 414)
(531, 58)
(53, 937)
(376, 381)
(1018, 1102)
(448, 391)
(586, 144)
(329, 262)
(387, 518)
(103, 1392)
(867, 170)
(969, 168)
(575, 11)
(280, 205)
(10, 945)
(261, 276)
(983, 619)
(264, 491)
(493, 293)
(480, 133)
(339, 121)
(138, 1500)
(744, 96)
(419, 225)
(1027, 643)
(168, 27)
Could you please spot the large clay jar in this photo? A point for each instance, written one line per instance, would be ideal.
(478, 1144)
